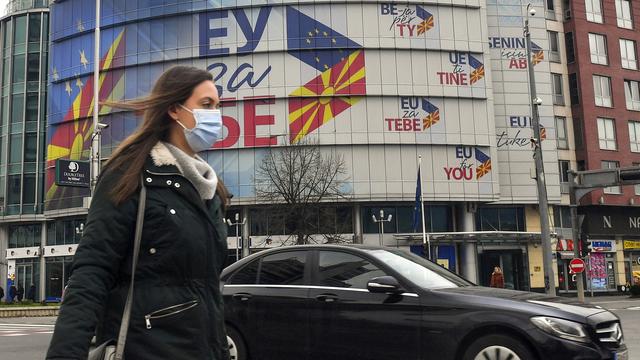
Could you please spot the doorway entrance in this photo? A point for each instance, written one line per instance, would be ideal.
(512, 264)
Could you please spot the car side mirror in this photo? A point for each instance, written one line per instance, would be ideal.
(384, 285)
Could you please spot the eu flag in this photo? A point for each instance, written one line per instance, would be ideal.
(417, 209)
(314, 43)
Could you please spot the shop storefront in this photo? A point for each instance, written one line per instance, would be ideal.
(632, 261)
(601, 266)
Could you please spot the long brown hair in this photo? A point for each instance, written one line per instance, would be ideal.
(173, 87)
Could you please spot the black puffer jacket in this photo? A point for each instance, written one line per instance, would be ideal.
(177, 308)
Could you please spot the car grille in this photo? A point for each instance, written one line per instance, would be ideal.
(610, 334)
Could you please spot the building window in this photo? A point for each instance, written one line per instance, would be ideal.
(593, 10)
(554, 46)
(438, 219)
(607, 134)
(611, 165)
(634, 136)
(561, 132)
(551, 12)
(623, 14)
(573, 89)
(577, 134)
(602, 90)
(562, 217)
(558, 94)
(492, 218)
(563, 166)
(25, 235)
(598, 49)
(636, 188)
(632, 94)
(628, 54)
(568, 44)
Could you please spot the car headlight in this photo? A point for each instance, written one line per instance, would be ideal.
(562, 328)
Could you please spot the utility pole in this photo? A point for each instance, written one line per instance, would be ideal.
(575, 232)
(381, 222)
(547, 258)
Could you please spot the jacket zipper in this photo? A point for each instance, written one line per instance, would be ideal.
(169, 311)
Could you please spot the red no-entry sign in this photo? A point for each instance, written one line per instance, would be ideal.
(577, 266)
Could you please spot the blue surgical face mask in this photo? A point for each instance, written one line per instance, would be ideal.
(207, 131)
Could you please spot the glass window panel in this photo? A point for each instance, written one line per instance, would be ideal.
(283, 269)
(563, 166)
(247, 275)
(628, 54)
(18, 68)
(6, 40)
(14, 191)
(17, 108)
(33, 67)
(598, 49)
(31, 147)
(634, 136)
(488, 219)
(568, 43)
(623, 14)
(338, 269)
(34, 28)
(15, 150)
(602, 90)
(440, 216)
(20, 31)
(632, 94)
(29, 189)
(593, 10)
(561, 132)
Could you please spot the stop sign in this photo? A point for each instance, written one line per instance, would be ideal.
(576, 266)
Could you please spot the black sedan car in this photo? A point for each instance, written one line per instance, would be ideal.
(364, 303)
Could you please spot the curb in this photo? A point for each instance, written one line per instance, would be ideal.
(31, 311)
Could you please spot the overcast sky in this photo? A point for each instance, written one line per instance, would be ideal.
(3, 5)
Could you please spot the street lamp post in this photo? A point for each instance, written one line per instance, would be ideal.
(95, 138)
(381, 222)
(549, 280)
(237, 224)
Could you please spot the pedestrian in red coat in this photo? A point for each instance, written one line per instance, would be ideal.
(497, 278)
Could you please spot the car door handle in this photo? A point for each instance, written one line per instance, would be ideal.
(241, 296)
(327, 298)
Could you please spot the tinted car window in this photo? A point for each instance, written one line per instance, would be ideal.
(418, 270)
(283, 269)
(339, 269)
(247, 275)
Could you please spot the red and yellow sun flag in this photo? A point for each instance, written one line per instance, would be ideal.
(320, 100)
(109, 82)
(71, 139)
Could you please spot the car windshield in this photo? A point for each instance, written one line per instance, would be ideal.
(421, 272)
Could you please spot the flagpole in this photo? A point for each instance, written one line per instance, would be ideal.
(425, 237)
(95, 140)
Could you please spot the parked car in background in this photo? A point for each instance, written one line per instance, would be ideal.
(366, 303)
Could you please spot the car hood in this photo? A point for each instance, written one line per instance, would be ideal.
(536, 303)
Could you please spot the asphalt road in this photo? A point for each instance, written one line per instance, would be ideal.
(28, 338)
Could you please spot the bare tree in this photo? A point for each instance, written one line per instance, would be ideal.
(295, 180)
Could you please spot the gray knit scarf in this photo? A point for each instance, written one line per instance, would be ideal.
(198, 171)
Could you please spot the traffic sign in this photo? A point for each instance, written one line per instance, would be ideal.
(576, 266)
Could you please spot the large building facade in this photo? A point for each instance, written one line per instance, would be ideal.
(24, 49)
(604, 86)
(379, 84)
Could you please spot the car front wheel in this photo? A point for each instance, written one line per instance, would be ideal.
(237, 348)
(498, 347)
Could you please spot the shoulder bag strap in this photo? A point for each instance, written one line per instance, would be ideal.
(126, 315)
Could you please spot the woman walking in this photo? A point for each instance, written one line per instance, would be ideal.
(177, 310)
